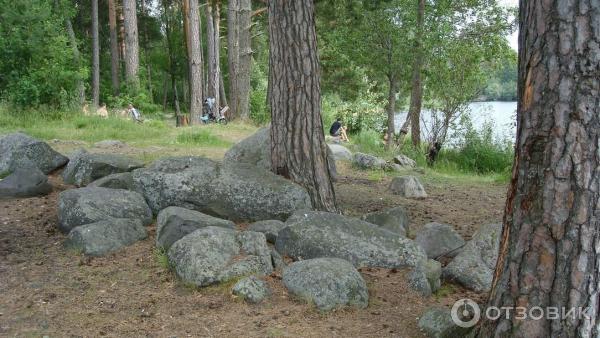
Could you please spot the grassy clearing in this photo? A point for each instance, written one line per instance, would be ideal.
(154, 138)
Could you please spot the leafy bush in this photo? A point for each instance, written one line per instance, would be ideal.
(365, 113)
(259, 111)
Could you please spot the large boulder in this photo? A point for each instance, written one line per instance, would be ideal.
(251, 289)
(366, 161)
(106, 236)
(269, 227)
(89, 205)
(314, 234)
(439, 240)
(177, 181)
(27, 182)
(213, 254)
(329, 283)
(85, 167)
(437, 322)
(407, 186)
(394, 220)
(404, 161)
(340, 153)
(18, 148)
(115, 181)
(475, 264)
(243, 192)
(173, 223)
(256, 150)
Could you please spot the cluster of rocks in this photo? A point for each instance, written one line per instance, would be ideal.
(367, 161)
(24, 164)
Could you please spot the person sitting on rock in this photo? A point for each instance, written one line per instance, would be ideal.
(135, 114)
(338, 130)
(102, 111)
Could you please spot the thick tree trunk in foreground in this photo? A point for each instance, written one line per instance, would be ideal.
(416, 96)
(550, 246)
(213, 17)
(132, 61)
(240, 56)
(194, 58)
(114, 46)
(391, 111)
(95, 57)
(298, 149)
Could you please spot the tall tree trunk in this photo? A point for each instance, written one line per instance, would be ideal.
(95, 57)
(132, 61)
(550, 245)
(240, 56)
(416, 96)
(114, 47)
(391, 110)
(165, 91)
(146, 42)
(222, 94)
(171, 61)
(213, 48)
(194, 58)
(298, 149)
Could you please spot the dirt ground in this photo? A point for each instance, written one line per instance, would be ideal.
(48, 291)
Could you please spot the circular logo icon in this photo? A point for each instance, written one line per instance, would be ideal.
(465, 313)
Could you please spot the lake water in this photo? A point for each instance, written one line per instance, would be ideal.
(501, 114)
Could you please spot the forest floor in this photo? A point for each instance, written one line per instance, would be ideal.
(47, 290)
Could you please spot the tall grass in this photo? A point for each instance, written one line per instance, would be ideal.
(201, 137)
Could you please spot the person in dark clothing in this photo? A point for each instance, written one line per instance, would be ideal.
(338, 130)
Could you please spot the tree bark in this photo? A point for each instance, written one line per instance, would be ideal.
(298, 149)
(213, 17)
(194, 58)
(95, 57)
(132, 61)
(239, 56)
(114, 47)
(550, 246)
(391, 110)
(222, 94)
(171, 62)
(416, 96)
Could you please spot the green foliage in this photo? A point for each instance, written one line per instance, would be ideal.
(37, 64)
(162, 259)
(201, 137)
(502, 82)
(259, 111)
(140, 101)
(364, 113)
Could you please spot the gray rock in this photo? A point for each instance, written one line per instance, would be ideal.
(28, 182)
(313, 234)
(404, 161)
(213, 254)
(115, 181)
(243, 192)
(394, 220)
(439, 240)
(329, 283)
(407, 186)
(417, 280)
(433, 272)
(106, 236)
(173, 223)
(437, 322)
(18, 148)
(89, 205)
(256, 150)
(366, 161)
(340, 153)
(277, 260)
(85, 167)
(269, 227)
(251, 289)
(177, 181)
(475, 264)
(107, 144)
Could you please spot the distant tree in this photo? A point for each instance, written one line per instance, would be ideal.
(416, 95)
(549, 257)
(132, 62)
(213, 43)
(95, 57)
(196, 66)
(114, 47)
(239, 53)
(298, 149)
